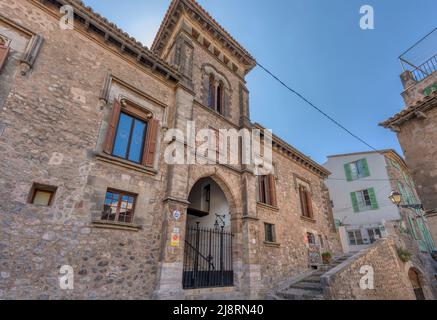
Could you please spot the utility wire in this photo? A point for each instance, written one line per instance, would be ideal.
(337, 123)
(317, 108)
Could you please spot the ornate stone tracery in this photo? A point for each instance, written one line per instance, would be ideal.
(214, 80)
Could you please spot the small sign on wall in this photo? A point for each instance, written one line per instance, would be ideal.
(175, 238)
(177, 215)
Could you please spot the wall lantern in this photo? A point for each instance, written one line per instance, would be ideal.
(395, 198)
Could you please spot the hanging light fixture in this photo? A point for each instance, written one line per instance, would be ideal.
(395, 198)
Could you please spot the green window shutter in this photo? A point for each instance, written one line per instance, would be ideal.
(365, 167)
(428, 91)
(413, 228)
(348, 171)
(407, 181)
(401, 191)
(372, 196)
(355, 202)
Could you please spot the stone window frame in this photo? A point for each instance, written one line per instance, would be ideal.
(117, 215)
(273, 233)
(270, 196)
(299, 183)
(40, 187)
(104, 98)
(33, 46)
(219, 81)
(5, 41)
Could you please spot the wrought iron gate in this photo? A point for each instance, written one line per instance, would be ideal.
(207, 258)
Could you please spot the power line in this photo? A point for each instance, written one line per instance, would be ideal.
(362, 180)
(337, 123)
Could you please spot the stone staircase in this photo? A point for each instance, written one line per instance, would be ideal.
(309, 287)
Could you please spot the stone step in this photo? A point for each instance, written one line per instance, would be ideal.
(301, 294)
(315, 279)
(313, 286)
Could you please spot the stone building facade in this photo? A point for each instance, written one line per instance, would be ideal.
(416, 126)
(84, 181)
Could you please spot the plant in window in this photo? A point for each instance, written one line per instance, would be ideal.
(326, 257)
(404, 254)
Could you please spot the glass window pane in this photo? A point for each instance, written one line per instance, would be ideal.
(137, 141)
(42, 198)
(354, 170)
(359, 237)
(352, 240)
(122, 136)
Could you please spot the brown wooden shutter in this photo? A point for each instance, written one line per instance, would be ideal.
(309, 204)
(4, 51)
(150, 143)
(113, 121)
(302, 197)
(272, 190)
(259, 188)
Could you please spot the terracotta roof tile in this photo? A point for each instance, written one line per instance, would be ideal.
(199, 8)
(432, 99)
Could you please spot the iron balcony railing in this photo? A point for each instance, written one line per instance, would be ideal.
(421, 58)
(425, 70)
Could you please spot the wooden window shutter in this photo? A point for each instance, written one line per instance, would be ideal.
(348, 172)
(272, 193)
(4, 51)
(150, 143)
(112, 128)
(365, 166)
(373, 200)
(303, 201)
(309, 204)
(355, 202)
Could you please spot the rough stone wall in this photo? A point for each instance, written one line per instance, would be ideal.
(414, 90)
(53, 120)
(390, 276)
(54, 124)
(289, 256)
(417, 138)
(343, 283)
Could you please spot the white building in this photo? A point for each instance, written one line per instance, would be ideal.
(359, 187)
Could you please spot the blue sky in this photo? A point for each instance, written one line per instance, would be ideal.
(318, 48)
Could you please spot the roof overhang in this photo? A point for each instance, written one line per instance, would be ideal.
(193, 10)
(416, 111)
(295, 155)
(89, 21)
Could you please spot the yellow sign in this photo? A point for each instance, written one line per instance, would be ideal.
(175, 239)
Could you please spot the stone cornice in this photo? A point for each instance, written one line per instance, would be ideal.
(194, 10)
(94, 23)
(297, 156)
(416, 111)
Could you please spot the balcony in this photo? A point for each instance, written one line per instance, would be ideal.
(421, 59)
(419, 64)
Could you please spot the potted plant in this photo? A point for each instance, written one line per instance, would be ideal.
(326, 257)
(434, 254)
(404, 254)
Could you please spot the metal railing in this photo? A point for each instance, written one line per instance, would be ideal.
(425, 70)
(207, 258)
(421, 58)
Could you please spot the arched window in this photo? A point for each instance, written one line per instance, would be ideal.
(219, 98)
(211, 92)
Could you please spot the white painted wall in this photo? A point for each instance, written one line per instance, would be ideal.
(219, 205)
(340, 189)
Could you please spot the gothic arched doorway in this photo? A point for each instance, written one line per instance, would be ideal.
(208, 240)
(415, 281)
